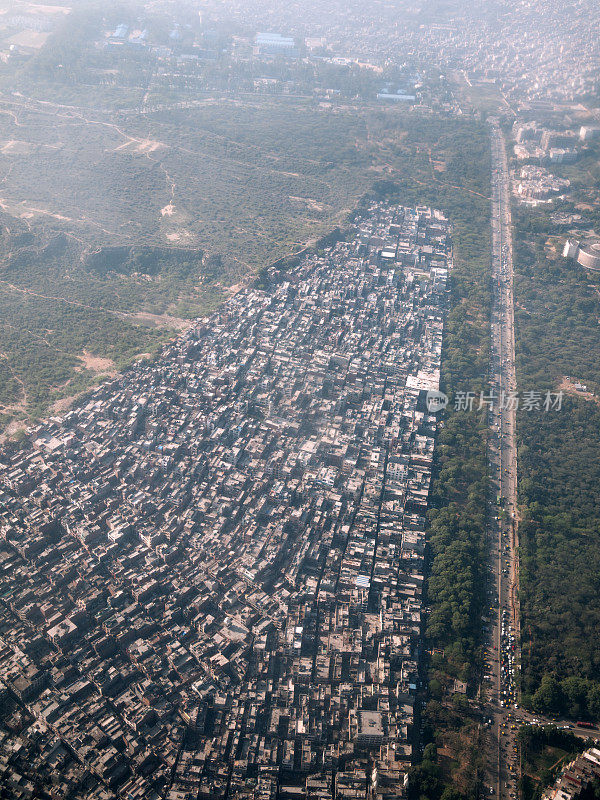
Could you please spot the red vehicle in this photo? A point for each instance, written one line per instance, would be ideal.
(585, 725)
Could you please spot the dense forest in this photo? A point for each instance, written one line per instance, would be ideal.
(558, 346)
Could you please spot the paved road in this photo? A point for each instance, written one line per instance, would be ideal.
(502, 657)
(501, 682)
(523, 717)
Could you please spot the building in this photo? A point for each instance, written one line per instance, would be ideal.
(120, 32)
(275, 44)
(587, 253)
(571, 249)
(589, 133)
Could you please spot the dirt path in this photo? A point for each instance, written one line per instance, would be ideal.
(441, 183)
(22, 404)
(22, 290)
(160, 320)
(12, 114)
(39, 337)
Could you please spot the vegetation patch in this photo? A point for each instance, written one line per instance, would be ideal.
(558, 339)
(543, 752)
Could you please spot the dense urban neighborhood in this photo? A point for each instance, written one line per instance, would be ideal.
(212, 567)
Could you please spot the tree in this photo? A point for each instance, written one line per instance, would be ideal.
(575, 690)
(430, 752)
(549, 696)
(593, 701)
(450, 793)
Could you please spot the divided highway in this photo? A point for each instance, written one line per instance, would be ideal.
(502, 655)
(502, 711)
